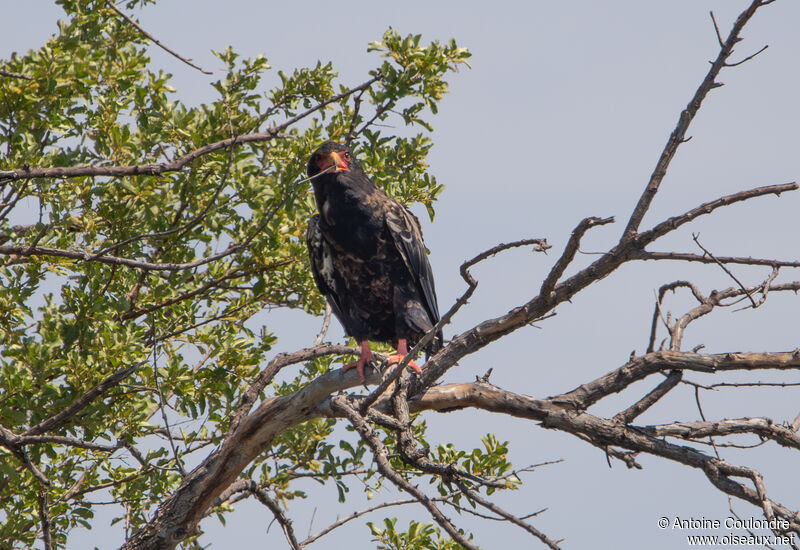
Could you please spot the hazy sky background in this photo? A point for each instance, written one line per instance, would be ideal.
(563, 115)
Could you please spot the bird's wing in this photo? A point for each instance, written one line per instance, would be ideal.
(319, 252)
(406, 232)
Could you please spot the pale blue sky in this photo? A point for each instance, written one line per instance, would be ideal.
(562, 116)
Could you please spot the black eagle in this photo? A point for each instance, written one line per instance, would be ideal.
(368, 258)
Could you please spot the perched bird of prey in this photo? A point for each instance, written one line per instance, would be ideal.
(368, 258)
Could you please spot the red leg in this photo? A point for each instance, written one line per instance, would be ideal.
(366, 357)
(402, 351)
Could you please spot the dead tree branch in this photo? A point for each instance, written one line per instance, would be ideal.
(687, 115)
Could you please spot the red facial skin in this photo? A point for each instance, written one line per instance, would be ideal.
(340, 160)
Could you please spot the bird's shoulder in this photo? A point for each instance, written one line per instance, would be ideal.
(401, 221)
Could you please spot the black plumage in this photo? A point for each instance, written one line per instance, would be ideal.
(368, 257)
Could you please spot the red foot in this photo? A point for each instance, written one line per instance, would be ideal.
(402, 351)
(366, 357)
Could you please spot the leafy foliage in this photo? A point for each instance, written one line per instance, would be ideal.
(418, 535)
(218, 240)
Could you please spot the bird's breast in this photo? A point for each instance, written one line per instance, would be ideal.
(352, 226)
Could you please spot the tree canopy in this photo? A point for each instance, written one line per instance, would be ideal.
(130, 271)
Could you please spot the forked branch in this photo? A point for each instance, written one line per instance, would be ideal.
(678, 135)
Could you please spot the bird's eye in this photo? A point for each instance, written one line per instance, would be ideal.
(346, 155)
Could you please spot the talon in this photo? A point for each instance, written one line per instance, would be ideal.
(402, 351)
(366, 357)
(396, 358)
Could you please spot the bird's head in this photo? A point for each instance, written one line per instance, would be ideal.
(331, 157)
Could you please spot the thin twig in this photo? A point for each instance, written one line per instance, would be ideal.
(716, 30)
(671, 224)
(351, 132)
(161, 406)
(44, 519)
(381, 458)
(489, 505)
(326, 322)
(689, 257)
(56, 421)
(14, 75)
(695, 237)
(356, 515)
(748, 58)
(154, 39)
(280, 517)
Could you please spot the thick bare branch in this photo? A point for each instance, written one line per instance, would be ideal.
(273, 367)
(639, 368)
(632, 412)
(602, 433)
(762, 427)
